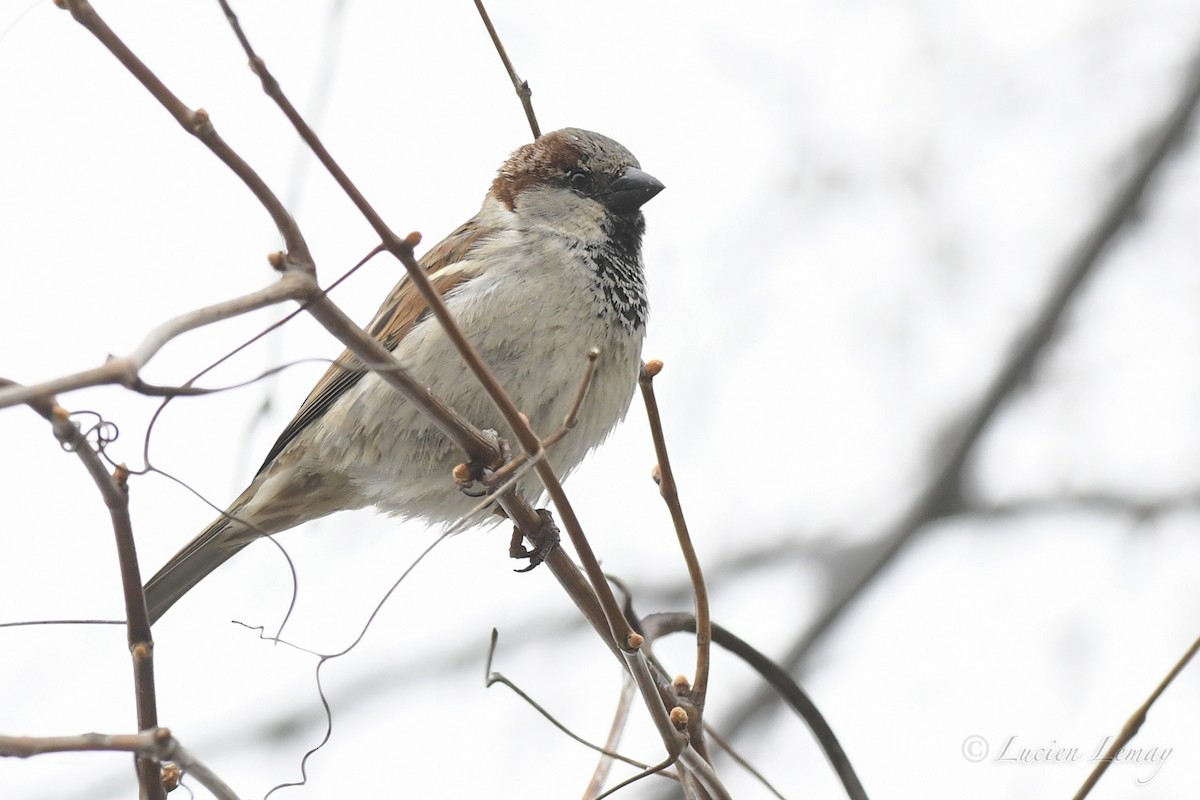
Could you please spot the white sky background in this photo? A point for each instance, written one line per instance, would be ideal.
(865, 204)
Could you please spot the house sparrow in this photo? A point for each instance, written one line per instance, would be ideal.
(549, 268)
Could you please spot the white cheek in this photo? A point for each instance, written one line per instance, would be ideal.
(562, 211)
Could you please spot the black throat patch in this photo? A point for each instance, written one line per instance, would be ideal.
(620, 281)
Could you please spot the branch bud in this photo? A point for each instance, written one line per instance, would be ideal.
(200, 121)
(171, 775)
(679, 718)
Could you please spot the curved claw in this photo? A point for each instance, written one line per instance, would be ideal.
(545, 539)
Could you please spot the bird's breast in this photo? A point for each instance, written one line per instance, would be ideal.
(533, 314)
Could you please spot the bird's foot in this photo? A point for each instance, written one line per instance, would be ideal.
(544, 540)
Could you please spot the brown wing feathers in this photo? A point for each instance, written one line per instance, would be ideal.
(399, 313)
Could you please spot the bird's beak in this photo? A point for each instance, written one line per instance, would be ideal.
(630, 191)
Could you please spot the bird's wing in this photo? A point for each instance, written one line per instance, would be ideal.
(392, 322)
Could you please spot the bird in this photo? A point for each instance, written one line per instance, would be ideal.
(549, 268)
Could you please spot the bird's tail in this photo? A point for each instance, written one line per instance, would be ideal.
(215, 545)
(272, 503)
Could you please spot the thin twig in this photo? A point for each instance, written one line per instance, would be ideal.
(276, 325)
(657, 769)
(115, 492)
(156, 744)
(325, 68)
(692, 700)
(491, 678)
(28, 623)
(325, 658)
(620, 720)
(1134, 723)
(521, 87)
(197, 124)
(741, 760)
(28, 746)
(123, 371)
(196, 768)
(702, 772)
(369, 350)
(657, 625)
(520, 465)
(187, 390)
(670, 495)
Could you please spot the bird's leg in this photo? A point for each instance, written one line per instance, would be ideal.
(479, 479)
(544, 540)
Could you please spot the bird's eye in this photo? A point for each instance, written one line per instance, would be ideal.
(580, 181)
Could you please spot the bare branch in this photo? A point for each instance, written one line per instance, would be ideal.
(620, 719)
(277, 324)
(519, 466)
(27, 623)
(741, 761)
(324, 658)
(115, 491)
(521, 87)
(657, 625)
(156, 744)
(1134, 723)
(27, 746)
(657, 769)
(197, 124)
(670, 495)
(193, 766)
(491, 678)
(123, 371)
(370, 351)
